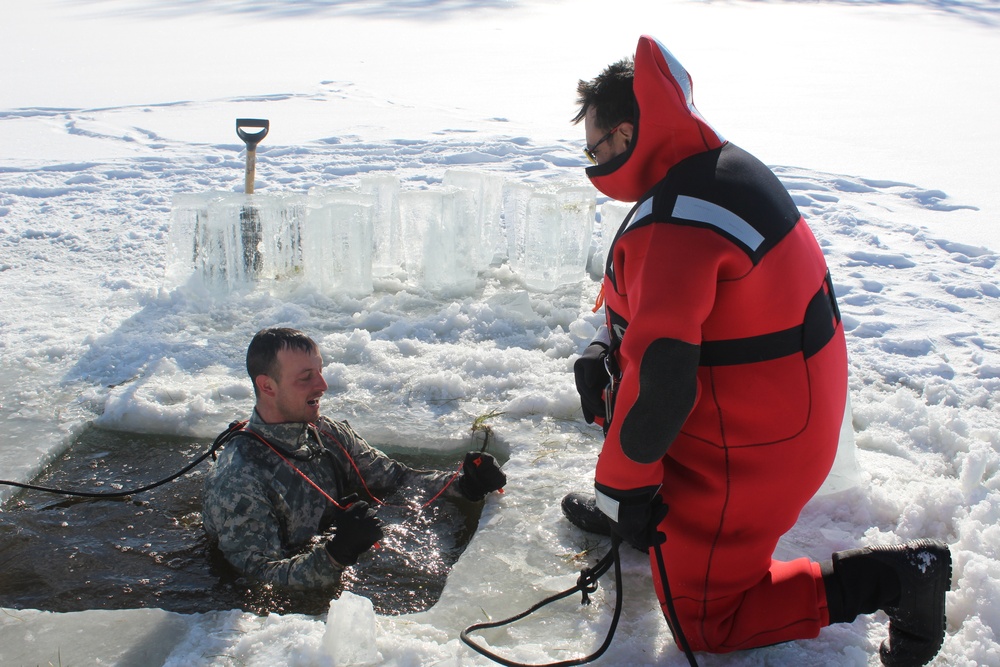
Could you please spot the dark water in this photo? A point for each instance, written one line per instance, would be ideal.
(149, 550)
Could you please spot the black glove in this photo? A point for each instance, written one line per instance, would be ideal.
(591, 379)
(480, 475)
(357, 530)
(639, 512)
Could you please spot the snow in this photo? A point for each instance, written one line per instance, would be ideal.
(879, 118)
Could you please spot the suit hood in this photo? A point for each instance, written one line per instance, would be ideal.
(668, 127)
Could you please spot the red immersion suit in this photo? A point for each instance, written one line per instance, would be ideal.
(733, 367)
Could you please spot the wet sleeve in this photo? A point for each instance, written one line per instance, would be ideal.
(246, 525)
(384, 475)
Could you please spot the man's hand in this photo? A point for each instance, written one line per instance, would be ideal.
(634, 514)
(357, 530)
(480, 475)
(591, 379)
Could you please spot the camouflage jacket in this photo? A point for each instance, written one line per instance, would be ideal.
(270, 523)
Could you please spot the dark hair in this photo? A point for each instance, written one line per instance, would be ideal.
(262, 354)
(610, 94)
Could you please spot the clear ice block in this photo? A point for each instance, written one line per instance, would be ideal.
(441, 254)
(613, 214)
(337, 241)
(234, 241)
(480, 197)
(388, 241)
(514, 205)
(552, 245)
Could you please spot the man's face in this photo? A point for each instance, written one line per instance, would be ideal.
(605, 147)
(299, 385)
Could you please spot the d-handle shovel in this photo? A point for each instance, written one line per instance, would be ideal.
(251, 140)
(251, 231)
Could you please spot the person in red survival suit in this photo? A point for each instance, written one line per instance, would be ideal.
(720, 380)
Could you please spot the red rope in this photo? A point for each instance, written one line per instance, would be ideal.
(361, 477)
(443, 488)
(296, 469)
(599, 301)
(354, 465)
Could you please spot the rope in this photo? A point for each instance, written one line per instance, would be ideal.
(675, 626)
(219, 442)
(586, 584)
(364, 485)
(296, 468)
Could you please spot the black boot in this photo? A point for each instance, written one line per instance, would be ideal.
(907, 581)
(581, 510)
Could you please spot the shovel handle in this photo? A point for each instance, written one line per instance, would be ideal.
(251, 139)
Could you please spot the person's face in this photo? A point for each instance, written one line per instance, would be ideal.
(605, 143)
(294, 394)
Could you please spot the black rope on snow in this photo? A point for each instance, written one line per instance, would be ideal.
(586, 584)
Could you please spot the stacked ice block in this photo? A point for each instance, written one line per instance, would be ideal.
(342, 239)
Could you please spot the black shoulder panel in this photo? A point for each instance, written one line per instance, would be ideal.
(728, 191)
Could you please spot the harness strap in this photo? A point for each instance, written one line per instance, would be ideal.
(818, 326)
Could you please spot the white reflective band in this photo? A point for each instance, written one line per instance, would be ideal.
(683, 79)
(699, 210)
(679, 73)
(644, 209)
(608, 505)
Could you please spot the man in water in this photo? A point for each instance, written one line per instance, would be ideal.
(278, 502)
(720, 379)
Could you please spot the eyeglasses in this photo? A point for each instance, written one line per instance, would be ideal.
(589, 150)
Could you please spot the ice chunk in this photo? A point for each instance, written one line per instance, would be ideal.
(350, 631)
(613, 214)
(480, 204)
(845, 473)
(234, 241)
(514, 207)
(340, 238)
(124, 637)
(187, 238)
(337, 241)
(554, 246)
(441, 252)
(388, 240)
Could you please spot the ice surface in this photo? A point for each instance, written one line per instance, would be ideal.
(81, 246)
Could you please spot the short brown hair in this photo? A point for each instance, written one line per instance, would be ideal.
(262, 353)
(610, 94)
